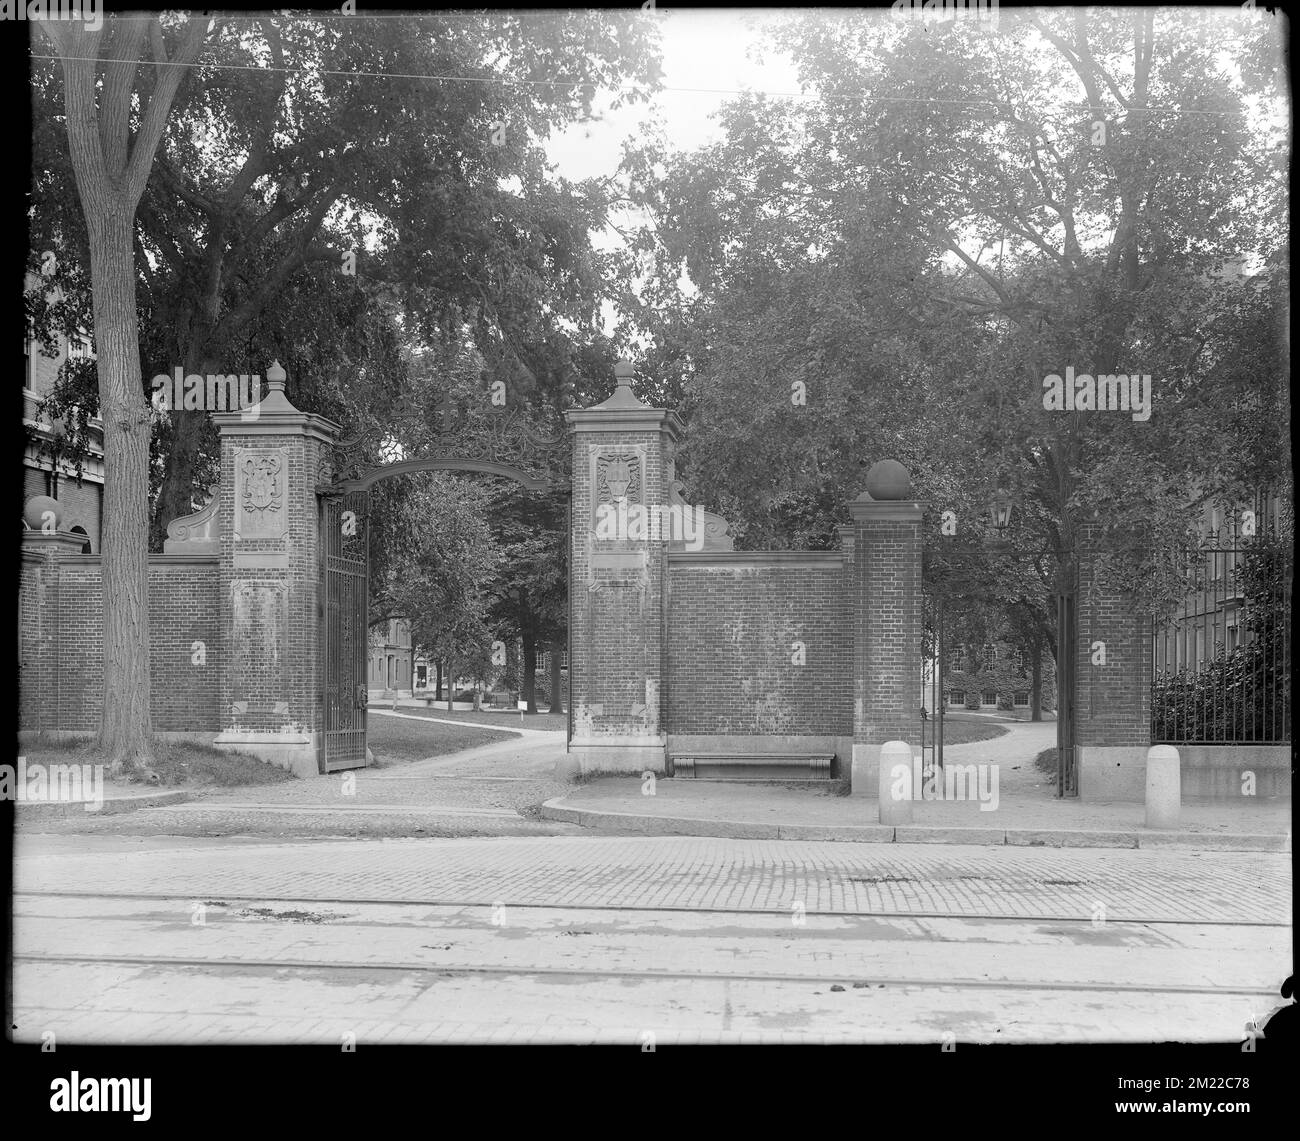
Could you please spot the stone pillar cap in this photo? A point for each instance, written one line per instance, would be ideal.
(624, 399)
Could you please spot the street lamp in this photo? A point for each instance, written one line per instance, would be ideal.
(1000, 512)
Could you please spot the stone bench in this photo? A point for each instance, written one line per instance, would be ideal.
(752, 766)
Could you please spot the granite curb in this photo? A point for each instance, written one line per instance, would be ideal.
(609, 821)
(112, 805)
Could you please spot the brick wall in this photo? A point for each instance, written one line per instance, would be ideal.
(887, 618)
(732, 622)
(61, 642)
(1113, 700)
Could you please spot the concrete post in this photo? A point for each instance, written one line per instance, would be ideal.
(895, 809)
(622, 471)
(1164, 787)
(886, 619)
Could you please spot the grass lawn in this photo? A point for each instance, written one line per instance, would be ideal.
(395, 740)
(958, 731)
(176, 762)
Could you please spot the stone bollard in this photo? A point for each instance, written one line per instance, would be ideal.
(1164, 787)
(894, 811)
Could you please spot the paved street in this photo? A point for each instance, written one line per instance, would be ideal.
(621, 938)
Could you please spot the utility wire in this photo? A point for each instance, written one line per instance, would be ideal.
(315, 72)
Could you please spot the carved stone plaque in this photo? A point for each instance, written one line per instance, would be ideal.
(618, 472)
(261, 494)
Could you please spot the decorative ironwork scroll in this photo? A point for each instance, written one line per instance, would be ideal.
(503, 442)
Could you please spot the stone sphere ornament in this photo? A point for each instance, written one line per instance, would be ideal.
(36, 513)
(888, 479)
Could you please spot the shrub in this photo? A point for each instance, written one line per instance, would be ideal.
(1241, 696)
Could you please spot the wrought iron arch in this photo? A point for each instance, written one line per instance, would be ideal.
(373, 475)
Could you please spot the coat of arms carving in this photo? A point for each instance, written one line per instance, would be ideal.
(618, 477)
(262, 484)
(260, 479)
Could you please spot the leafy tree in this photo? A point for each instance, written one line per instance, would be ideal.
(323, 181)
(893, 267)
(116, 108)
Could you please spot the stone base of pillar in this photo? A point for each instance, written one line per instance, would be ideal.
(866, 764)
(1112, 772)
(602, 756)
(296, 752)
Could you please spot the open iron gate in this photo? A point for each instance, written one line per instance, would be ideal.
(934, 656)
(936, 661)
(344, 630)
(1067, 640)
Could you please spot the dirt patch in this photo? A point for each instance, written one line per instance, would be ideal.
(177, 763)
(290, 916)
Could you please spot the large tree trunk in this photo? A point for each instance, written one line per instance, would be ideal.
(437, 689)
(113, 135)
(557, 705)
(126, 730)
(176, 494)
(1036, 682)
(530, 672)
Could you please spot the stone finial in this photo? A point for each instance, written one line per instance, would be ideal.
(35, 509)
(623, 399)
(275, 377)
(888, 479)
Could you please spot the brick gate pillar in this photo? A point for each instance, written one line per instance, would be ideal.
(886, 619)
(623, 458)
(1112, 730)
(270, 578)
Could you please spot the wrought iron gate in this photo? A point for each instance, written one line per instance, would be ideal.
(934, 657)
(1067, 637)
(344, 628)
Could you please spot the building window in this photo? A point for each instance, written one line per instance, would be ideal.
(27, 364)
(1021, 698)
(988, 698)
(80, 348)
(957, 697)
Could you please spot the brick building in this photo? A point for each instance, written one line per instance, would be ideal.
(81, 499)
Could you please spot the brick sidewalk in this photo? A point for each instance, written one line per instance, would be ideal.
(700, 873)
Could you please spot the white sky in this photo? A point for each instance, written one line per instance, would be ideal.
(702, 48)
(706, 52)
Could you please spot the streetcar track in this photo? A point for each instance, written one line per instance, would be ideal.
(640, 975)
(784, 910)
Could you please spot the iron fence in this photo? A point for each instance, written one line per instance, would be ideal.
(1221, 662)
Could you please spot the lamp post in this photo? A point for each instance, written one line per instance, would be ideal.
(1000, 512)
